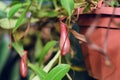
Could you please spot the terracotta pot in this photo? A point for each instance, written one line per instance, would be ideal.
(94, 61)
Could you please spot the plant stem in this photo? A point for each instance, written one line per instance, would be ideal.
(68, 76)
(50, 64)
(40, 4)
(59, 62)
(55, 4)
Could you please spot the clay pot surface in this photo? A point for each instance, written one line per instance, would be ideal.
(102, 10)
(94, 61)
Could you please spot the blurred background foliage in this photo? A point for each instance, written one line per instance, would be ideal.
(42, 37)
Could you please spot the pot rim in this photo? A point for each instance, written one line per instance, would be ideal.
(102, 10)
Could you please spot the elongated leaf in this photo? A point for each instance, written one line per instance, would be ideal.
(4, 51)
(14, 74)
(51, 63)
(38, 47)
(14, 9)
(68, 5)
(35, 78)
(58, 72)
(38, 71)
(18, 47)
(20, 20)
(45, 50)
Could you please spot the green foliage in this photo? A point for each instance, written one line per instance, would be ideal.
(6, 23)
(52, 62)
(38, 71)
(43, 13)
(2, 5)
(68, 5)
(20, 20)
(58, 72)
(38, 47)
(15, 75)
(45, 50)
(18, 46)
(86, 9)
(4, 51)
(3, 14)
(114, 3)
(14, 9)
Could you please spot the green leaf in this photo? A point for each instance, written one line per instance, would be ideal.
(86, 9)
(58, 72)
(44, 13)
(18, 47)
(52, 62)
(38, 47)
(45, 50)
(14, 74)
(4, 51)
(20, 20)
(35, 78)
(68, 5)
(38, 71)
(3, 14)
(2, 5)
(14, 9)
(7, 24)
